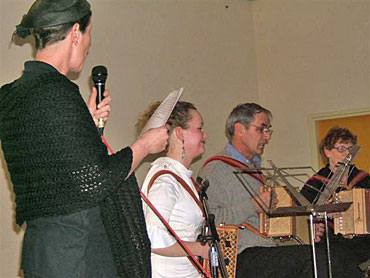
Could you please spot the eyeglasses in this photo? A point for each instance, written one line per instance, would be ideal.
(263, 129)
(342, 149)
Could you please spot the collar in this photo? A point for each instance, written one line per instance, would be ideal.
(38, 67)
(169, 163)
(235, 154)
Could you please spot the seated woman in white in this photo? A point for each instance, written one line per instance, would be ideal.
(172, 200)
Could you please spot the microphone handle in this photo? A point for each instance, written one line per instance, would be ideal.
(100, 87)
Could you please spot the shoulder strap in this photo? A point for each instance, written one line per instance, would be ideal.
(248, 226)
(182, 182)
(236, 164)
(318, 178)
(360, 176)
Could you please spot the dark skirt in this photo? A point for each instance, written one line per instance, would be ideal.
(71, 246)
(294, 261)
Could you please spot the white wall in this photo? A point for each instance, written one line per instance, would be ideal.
(149, 48)
(295, 57)
(312, 57)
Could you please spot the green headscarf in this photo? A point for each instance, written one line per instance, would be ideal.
(49, 13)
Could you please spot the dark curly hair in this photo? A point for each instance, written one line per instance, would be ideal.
(334, 135)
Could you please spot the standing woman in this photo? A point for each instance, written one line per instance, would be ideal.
(168, 195)
(82, 207)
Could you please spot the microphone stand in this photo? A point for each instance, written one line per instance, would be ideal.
(216, 258)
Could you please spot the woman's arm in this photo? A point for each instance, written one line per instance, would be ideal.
(151, 142)
(176, 250)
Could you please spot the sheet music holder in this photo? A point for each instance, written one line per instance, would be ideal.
(307, 210)
(304, 206)
(335, 180)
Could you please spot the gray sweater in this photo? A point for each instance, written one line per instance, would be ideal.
(231, 203)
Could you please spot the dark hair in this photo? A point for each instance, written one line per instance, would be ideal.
(243, 113)
(49, 35)
(334, 135)
(180, 115)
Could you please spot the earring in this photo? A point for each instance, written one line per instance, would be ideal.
(183, 156)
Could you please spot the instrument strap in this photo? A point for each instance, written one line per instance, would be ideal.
(360, 176)
(190, 256)
(182, 182)
(319, 178)
(236, 164)
(252, 229)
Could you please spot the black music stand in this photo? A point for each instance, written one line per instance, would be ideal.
(304, 208)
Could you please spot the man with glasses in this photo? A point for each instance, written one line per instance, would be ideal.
(249, 130)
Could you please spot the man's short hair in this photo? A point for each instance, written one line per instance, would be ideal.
(243, 113)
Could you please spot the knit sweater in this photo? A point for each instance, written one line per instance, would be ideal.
(58, 165)
(231, 203)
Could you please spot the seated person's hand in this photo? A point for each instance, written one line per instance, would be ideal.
(204, 251)
(319, 229)
(262, 201)
(334, 214)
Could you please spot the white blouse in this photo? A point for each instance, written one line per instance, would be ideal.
(179, 209)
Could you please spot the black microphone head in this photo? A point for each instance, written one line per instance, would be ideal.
(99, 74)
(204, 183)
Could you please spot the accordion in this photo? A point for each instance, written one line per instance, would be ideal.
(355, 220)
(229, 239)
(279, 226)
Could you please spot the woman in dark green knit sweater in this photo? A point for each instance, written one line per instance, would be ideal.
(82, 206)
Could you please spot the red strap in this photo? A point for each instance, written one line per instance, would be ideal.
(360, 176)
(190, 256)
(319, 178)
(252, 229)
(182, 182)
(236, 164)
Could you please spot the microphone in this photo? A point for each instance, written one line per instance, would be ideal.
(213, 261)
(204, 183)
(99, 76)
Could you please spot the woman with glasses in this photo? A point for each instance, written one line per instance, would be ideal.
(334, 147)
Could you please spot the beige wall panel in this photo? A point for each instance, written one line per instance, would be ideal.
(312, 57)
(296, 57)
(150, 48)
